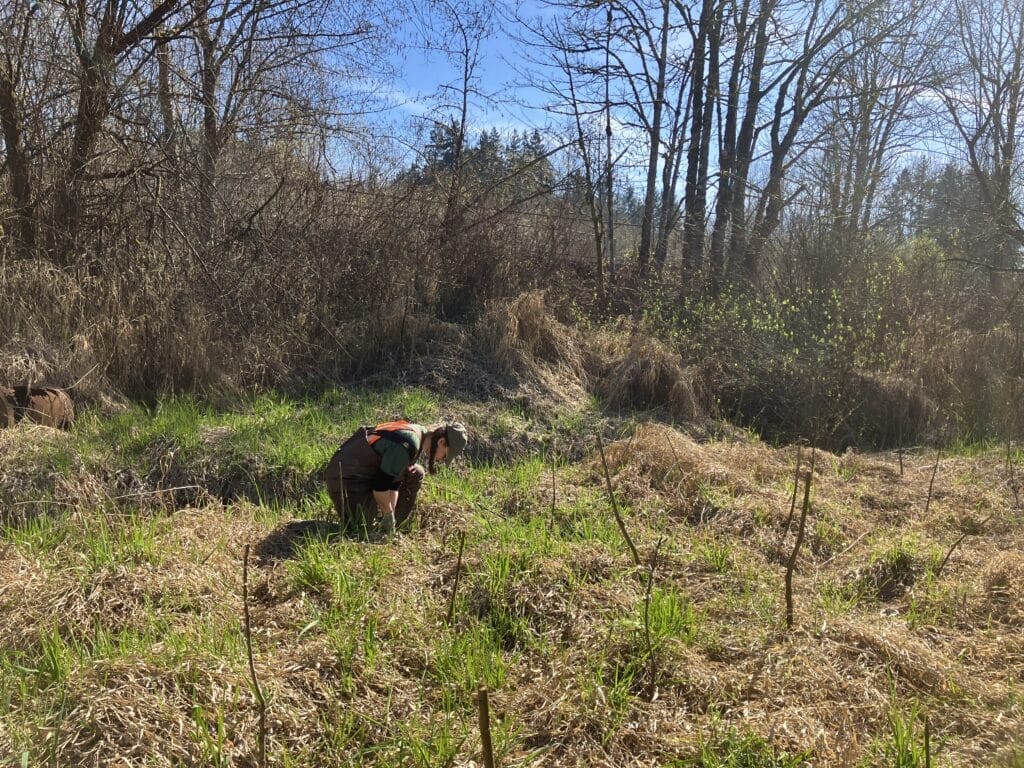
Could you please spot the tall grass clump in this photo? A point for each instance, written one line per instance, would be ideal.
(638, 371)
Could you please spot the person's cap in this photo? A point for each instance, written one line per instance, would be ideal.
(455, 435)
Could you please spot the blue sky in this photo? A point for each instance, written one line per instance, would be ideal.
(424, 74)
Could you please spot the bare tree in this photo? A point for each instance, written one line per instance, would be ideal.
(15, 34)
(250, 65)
(879, 113)
(102, 39)
(786, 59)
(704, 81)
(629, 62)
(589, 165)
(562, 65)
(738, 135)
(984, 97)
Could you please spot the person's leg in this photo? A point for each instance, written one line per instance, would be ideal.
(360, 507)
(412, 481)
(335, 489)
(352, 500)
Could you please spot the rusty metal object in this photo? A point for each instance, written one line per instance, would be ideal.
(43, 405)
(6, 407)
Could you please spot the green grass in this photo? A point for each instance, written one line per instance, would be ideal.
(837, 598)
(488, 487)
(671, 616)
(41, 533)
(548, 596)
(464, 660)
(109, 542)
(904, 745)
(606, 689)
(268, 446)
(210, 735)
(713, 552)
(734, 749)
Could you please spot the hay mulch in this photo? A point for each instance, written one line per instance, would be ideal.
(948, 636)
(40, 469)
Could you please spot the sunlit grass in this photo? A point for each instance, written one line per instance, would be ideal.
(548, 596)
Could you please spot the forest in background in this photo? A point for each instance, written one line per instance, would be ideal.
(800, 215)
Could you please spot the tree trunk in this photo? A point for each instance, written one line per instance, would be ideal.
(608, 179)
(17, 164)
(702, 104)
(727, 173)
(647, 221)
(94, 93)
(93, 107)
(748, 138)
(588, 180)
(210, 148)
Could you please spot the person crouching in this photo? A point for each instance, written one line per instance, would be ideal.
(374, 476)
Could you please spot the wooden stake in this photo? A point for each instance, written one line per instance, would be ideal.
(483, 710)
(551, 521)
(651, 668)
(899, 444)
(1013, 480)
(931, 483)
(927, 743)
(796, 488)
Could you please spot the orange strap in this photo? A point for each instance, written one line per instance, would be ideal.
(388, 426)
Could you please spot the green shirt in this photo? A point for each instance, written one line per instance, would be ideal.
(394, 455)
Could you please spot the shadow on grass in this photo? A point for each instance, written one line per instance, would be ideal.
(283, 542)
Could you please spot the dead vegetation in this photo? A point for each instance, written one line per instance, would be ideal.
(565, 608)
(637, 371)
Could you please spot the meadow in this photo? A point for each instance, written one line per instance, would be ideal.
(125, 640)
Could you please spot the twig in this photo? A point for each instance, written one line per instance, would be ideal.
(551, 521)
(647, 620)
(927, 743)
(899, 440)
(83, 376)
(931, 483)
(956, 543)
(796, 488)
(791, 565)
(157, 491)
(615, 504)
(455, 582)
(262, 702)
(1013, 480)
(485, 726)
(852, 544)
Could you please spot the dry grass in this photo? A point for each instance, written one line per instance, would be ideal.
(950, 644)
(636, 371)
(41, 471)
(522, 334)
